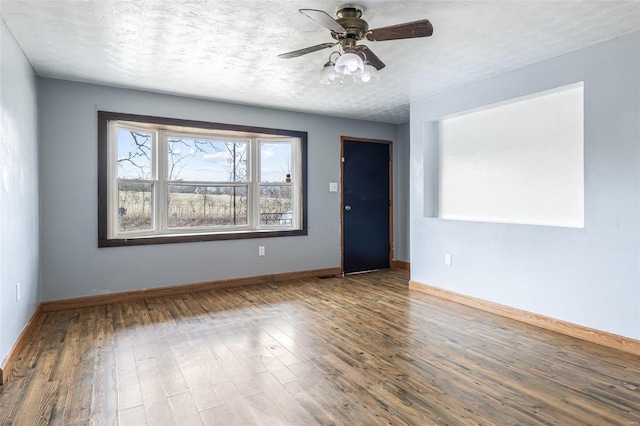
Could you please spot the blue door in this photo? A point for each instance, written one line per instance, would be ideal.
(366, 205)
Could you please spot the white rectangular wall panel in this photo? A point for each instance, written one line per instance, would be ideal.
(519, 161)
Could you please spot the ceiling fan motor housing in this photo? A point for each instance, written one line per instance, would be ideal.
(351, 21)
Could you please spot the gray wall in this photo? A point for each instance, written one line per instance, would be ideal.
(401, 193)
(19, 244)
(587, 276)
(73, 266)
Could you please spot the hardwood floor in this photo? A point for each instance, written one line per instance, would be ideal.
(356, 350)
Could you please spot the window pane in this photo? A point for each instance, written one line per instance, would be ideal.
(202, 160)
(134, 154)
(134, 206)
(275, 205)
(194, 206)
(275, 161)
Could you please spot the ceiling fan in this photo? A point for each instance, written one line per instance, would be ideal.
(348, 29)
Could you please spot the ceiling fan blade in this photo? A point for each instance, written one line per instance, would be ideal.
(323, 19)
(422, 28)
(370, 57)
(306, 50)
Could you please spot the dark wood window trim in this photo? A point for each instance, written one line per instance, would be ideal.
(103, 241)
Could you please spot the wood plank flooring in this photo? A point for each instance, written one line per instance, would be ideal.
(356, 350)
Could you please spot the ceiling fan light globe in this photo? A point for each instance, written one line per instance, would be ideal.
(349, 64)
(328, 74)
(369, 75)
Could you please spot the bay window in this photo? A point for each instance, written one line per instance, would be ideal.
(167, 180)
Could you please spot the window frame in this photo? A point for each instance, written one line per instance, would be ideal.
(175, 126)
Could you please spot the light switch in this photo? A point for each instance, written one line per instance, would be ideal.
(333, 186)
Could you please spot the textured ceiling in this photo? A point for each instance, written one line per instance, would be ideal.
(227, 49)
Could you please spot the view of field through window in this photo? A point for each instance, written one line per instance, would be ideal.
(275, 167)
(207, 181)
(135, 179)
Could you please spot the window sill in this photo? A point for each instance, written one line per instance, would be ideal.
(190, 238)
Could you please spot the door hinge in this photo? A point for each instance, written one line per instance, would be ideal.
(342, 159)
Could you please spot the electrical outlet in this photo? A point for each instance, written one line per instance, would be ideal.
(447, 259)
(261, 251)
(18, 292)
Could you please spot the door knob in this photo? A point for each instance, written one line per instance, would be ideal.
(347, 207)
